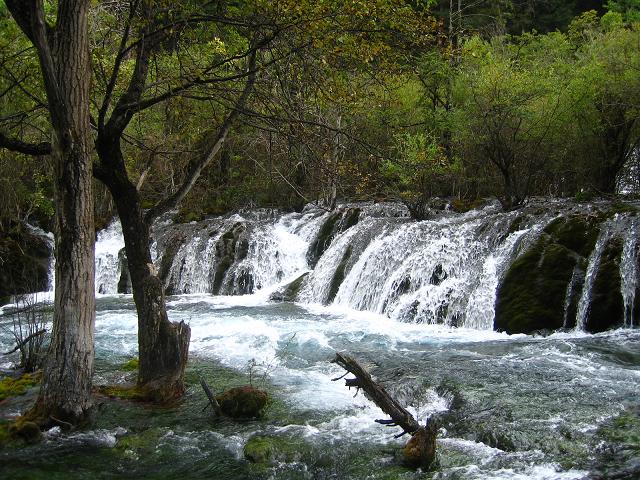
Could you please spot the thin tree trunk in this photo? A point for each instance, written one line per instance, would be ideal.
(163, 346)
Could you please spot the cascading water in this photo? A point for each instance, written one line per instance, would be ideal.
(584, 304)
(629, 270)
(108, 268)
(445, 270)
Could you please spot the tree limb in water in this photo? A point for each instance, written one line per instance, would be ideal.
(23, 342)
(377, 394)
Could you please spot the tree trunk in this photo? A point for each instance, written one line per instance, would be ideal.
(63, 53)
(163, 346)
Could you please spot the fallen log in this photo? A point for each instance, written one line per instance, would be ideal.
(420, 450)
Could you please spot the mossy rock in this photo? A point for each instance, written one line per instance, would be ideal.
(25, 430)
(243, 402)
(25, 266)
(578, 233)
(339, 275)
(229, 248)
(533, 293)
(268, 450)
(142, 442)
(12, 387)
(124, 392)
(618, 447)
(536, 289)
(172, 246)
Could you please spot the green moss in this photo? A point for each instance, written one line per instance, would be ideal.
(532, 294)
(12, 387)
(275, 449)
(184, 216)
(336, 223)
(125, 392)
(290, 291)
(578, 232)
(623, 430)
(131, 365)
(462, 205)
(323, 239)
(622, 207)
(143, 442)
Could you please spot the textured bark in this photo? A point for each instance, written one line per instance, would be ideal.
(63, 53)
(163, 346)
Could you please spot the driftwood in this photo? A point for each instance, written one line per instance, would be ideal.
(420, 449)
(212, 399)
(24, 341)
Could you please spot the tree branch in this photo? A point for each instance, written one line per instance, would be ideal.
(15, 145)
(196, 167)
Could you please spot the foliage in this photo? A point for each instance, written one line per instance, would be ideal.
(354, 99)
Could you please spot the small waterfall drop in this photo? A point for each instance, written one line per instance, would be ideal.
(109, 242)
(629, 271)
(584, 303)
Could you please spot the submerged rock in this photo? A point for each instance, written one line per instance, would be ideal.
(274, 449)
(243, 402)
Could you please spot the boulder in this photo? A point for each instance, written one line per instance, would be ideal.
(243, 402)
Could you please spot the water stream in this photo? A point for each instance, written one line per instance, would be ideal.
(415, 304)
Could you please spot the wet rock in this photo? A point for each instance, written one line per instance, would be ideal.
(273, 449)
(124, 283)
(339, 275)
(606, 309)
(289, 292)
(533, 295)
(243, 402)
(438, 276)
(25, 430)
(228, 249)
(171, 247)
(337, 223)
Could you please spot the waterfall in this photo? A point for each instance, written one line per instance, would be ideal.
(440, 271)
(445, 270)
(592, 270)
(275, 254)
(629, 271)
(571, 288)
(109, 242)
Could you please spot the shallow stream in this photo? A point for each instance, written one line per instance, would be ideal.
(511, 407)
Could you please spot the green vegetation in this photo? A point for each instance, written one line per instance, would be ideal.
(11, 387)
(507, 99)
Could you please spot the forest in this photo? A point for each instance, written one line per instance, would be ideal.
(165, 115)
